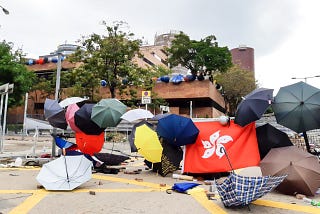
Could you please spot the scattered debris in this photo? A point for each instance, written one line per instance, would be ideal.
(92, 192)
(139, 179)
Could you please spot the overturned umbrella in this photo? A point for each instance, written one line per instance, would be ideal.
(65, 173)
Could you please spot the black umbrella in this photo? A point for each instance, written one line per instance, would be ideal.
(55, 114)
(171, 157)
(270, 137)
(252, 107)
(170, 160)
(297, 107)
(133, 131)
(82, 119)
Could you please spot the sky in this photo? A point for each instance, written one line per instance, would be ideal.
(284, 34)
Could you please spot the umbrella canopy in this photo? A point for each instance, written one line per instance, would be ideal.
(71, 110)
(297, 107)
(71, 100)
(160, 116)
(176, 79)
(108, 112)
(62, 143)
(177, 129)
(270, 137)
(171, 157)
(302, 168)
(252, 107)
(89, 144)
(55, 114)
(131, 137)
(65, 173)
(148, 144)
(137, 114)
(82, 119)
(237, 190)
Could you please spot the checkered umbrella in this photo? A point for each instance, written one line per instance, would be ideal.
(238, 190)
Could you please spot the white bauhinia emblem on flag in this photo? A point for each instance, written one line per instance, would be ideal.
(215, 144)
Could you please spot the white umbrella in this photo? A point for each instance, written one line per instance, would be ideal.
(65, 173)
(71, 100)
(137, 114)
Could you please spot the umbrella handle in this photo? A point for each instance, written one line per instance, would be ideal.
(222, 149)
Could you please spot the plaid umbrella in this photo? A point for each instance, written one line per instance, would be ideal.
(239, 190)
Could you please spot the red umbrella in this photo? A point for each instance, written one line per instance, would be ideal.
(70, 116)
(89, 144)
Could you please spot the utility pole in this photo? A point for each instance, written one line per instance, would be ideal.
(56, 97)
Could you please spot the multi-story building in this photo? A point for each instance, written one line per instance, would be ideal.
(243, 56)
(192, 99)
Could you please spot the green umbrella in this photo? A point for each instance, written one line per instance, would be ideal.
(297, 107)
(107, 112)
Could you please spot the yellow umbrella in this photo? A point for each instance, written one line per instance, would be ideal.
(148, 145)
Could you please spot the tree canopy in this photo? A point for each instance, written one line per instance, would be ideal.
(13, 71)
(235, 83)
(202, 57)
(111, 58)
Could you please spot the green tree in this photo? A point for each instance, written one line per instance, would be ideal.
(13, 71)
(235, 83)
(110, 57)
(202, 57)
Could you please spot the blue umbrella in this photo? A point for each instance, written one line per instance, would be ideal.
(62, 143)
(176, 79)
(177, 129)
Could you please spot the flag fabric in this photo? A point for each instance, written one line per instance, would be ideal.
(207, 156)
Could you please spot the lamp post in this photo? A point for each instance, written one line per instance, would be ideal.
(56, 97)
(305, 78)
(4, 10)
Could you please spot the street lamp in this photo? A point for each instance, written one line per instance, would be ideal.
(4, 10)
(305, 78)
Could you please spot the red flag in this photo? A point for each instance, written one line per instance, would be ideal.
(206, 155)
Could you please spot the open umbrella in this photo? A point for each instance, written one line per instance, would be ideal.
(131, 137)
(65, 173)
(238, 190)
(89, 144)
(253, 105)
(176, 79)
(148, 144)
(71, 100)
(270, 137)
(302, 168)
(71, 110)
(177, 129)
(107, 112)
(55, 114)
(62, 143)
(137, 114)
(82, 119)
(297, 107)
(171, 157)
(160, 116)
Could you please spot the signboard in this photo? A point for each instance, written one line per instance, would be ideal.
(164, 108)
(146, 97)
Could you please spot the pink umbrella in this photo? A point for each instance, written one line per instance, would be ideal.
(70, 116)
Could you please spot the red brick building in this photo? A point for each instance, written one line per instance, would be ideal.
(243, 56)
